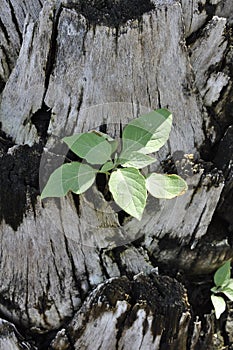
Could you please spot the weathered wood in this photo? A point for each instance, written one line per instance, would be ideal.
(11, 339)
(24, 91)
(123, 74)
(12, 17)
(123, 314)
(67, 81)
(224, 9)
(203, 59)
(195, 15)
(87, 69)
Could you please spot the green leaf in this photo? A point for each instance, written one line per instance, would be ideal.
(223, 274)
(75, 177)
(165, 186)
(113, 143)
(215, 290)
(107, 167)
(228, 292)
(129, 191)
(228, 283)
(219, 305)
(94, 148)
(148, 133)
(136, 160)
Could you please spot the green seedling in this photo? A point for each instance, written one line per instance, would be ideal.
(141, 138)
(223, 287)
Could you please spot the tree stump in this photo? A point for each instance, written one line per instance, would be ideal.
(76, 273)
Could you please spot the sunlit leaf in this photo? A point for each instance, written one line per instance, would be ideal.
(136, 160)
(94, 148)
(228, 292)
(165, 186)
(148, 133)
(75, 177)
(219, 305)
(228, 283)
(129, 190)
(113, 142)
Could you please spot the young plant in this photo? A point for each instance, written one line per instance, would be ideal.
(128, 186)
(223, 285)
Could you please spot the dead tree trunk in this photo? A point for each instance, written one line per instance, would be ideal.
(75, 274)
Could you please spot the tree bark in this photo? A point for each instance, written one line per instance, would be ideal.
(76, 273)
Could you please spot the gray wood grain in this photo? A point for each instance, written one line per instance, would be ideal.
(88, 76)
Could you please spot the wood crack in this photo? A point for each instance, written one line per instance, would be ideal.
(53, 45)
(193, 241)
(15, 21)
(4, 31)
(55, 266)
(77, 282)
(102, 265)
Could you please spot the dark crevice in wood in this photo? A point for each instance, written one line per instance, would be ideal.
(117, 259)
(167, 243)
(121, 126)
(5, 32)
(40, 2)
(159, 98)
(137, 243)
(223, 154)
(76, 202)
(103, 128)
(225, 209)
(2, 85)
(39, 341)
(122, 215)
(60, 279)
(196, 189)
(80, 99)
(14, 20)
(83, 42)
(193, 240)
(102, 264)
(102, 186)
(168, 165)
(53, 47)
(42, 342)
(111, 13)
(148, 94)
(5, 142)
(214, 245)
(206, 149)
(41, 121)
(82, 294)
(101, 182)
(8, 58)
(199, 298)
(116, 40)
(19, 176)
(210, 10)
